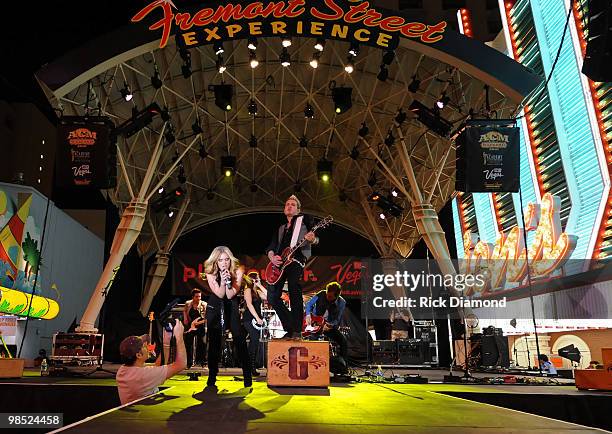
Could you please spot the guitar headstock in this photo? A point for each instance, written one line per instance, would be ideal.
(324, 223)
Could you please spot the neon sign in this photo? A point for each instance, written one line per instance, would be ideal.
(324, 18)
(505, 261)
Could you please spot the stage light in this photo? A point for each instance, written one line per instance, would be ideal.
(126, 93)
(253, 60)
(253, 141)
(186, 67)
(252, 108)
(440, 103)
(252, 43)
(202, 152)
(354, 50)
(220, 64)
(253, 187)
(354, 154)
(196, 128)
(170, 213)
(401, 117)
(570, 352)
(383, 74)
(186, 70)
(414, 84)
(433, 121)
(156, 80)
(390, 140)
(218, 47)
(169, 135)
(320, 44)
(364, 130)
(382, 215)
(342, 99)
(394, 192)
(179, 192)
(138, 121)
(388, 57)
(374, 197)
(285, 58)
(286, 41)
(223, 96)
(160, 190)
(308, 111)
(314, 61)
(182, 179)
(324, 170)
(303, 142)
(228, 165)
(165, 114)
(350, 65)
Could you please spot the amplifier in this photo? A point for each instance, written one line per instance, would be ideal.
(411, 351)
(384, 352)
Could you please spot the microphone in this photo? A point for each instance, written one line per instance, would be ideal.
(228, 281)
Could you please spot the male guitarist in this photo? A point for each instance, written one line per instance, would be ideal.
(330, 305)
(194, 318)
(288, 235)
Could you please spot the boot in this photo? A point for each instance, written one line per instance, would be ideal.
(254, 372)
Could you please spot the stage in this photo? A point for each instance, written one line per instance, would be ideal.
(185, 406)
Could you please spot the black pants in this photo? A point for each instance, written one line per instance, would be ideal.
(200, 349)
(337, 337)
(291, 320)
(254, 344)
(231, 318)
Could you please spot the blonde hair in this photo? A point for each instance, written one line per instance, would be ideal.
(297, 201)
(210, 265)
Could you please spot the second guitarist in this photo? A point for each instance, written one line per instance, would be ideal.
(194, 317)
(288, 235)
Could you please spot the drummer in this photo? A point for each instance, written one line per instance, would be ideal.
(254, 295)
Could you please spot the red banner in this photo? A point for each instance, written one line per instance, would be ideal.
(319, 271)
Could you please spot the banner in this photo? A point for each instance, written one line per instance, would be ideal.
(319, 271)
(488, 157)
(85, 153)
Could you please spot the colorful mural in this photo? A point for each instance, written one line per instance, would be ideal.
(20, 259)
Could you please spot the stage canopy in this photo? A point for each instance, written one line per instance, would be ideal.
(289, 146)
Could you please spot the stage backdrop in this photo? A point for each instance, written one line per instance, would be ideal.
(318, 272)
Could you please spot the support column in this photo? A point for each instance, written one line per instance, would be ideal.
(155, 277)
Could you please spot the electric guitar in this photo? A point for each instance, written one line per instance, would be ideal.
(317, 324)
(274, 272)
(152, 345)
(198, 321)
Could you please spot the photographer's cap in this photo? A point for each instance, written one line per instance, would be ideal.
(132, 345)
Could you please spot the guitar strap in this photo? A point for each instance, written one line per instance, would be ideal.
(296, 231)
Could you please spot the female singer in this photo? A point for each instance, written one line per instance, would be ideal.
(254, 293)
(224, 277)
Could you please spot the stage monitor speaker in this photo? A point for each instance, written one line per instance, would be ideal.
(384, 352)
(598, 56)
(495, 351)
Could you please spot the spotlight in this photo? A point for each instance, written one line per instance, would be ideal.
(297, 187)
(252, 43)
(394, 192)
(253, 60)
(314, 61)
(228, 165)
(401, 117)
(382, 216)
(354, 154)
(210, 194)
(202, 152)
(253, 187)
(350, 65)
(185, 54)
(181, 176)
(169, 136)
(374, 197)
(342, 98)
(170, 213)
(218, 47)
(383, 74)
(320, 44)
(220, 64)
(286, 41)
(160, 190)
(186, 69)
(303, 142)
(388, 57)
(390, 140)
(126, 93)
(324, 170)
(427, 117)
(308, 111)
(156, 80)
(179, 192)
(196, 128)
(364, 130)
(414, 84)
(223, 96)
(354, 50)
(285, 58)
(253, 141)
(440, 103)
(165, 114)
(252, 108)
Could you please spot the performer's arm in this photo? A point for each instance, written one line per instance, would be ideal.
(263, 292)
(310, 305)
(185, 314)
(217, 289)
(233, 290)
(248, 298)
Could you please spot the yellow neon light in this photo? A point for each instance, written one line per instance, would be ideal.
(16, 302)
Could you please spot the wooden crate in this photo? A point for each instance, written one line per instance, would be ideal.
(298, 363)
(11, 368)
